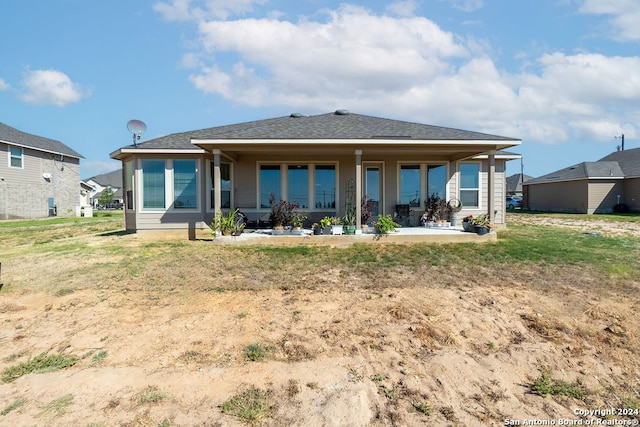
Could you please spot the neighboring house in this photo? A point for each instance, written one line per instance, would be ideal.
(39, 177)
(589, 187)
(319, 162)
(514, 184)
(99, 183)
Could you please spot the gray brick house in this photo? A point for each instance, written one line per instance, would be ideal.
(39, 177)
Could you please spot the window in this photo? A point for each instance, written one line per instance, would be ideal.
(410, 185)
(184, 184)
(298, 185)
(269, 184)
(15, 157)
(128, 185)
(437, 181)
(325, 186)
(470, 184)
(225, 186)
(153, 184)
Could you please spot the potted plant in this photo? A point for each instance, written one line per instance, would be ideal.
(280, 214)
(317, 229)
(432, 209)
(454, 206)
(336, 225)
(349, 218)
(366, 210)
(325, 223)
(481, 224)
(466, 222)
(297, 219)
(385, 224)
(231, 224)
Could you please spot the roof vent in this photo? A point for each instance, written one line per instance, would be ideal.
(296, 115)
(342, 112)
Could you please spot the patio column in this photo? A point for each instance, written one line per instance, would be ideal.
(217, 191)
(491, 185)
(358, 191)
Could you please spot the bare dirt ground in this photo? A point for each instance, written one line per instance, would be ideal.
(445, 347)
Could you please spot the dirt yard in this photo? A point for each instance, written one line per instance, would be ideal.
(441, 347)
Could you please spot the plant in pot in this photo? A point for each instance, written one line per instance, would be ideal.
(431, 209)
(280, 214)
(454, 206)
(349, 218)
(481, 224)
(336, 225)
(297, 219)
(325, 223)
(466, 222)
(317, 230)
(231, 224)
(366, 210)
(385, 224)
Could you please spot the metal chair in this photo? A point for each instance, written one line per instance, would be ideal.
(403, 214)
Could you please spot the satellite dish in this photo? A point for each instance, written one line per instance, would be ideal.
(137, 128)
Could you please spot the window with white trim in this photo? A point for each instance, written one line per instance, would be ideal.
(225, 186)
(311, 186)
(185, 189)
(16, 157)
(470, 185)
(153, 184)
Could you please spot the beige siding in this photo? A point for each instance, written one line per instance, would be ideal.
(569, 196)
(603, 195)
(632, 193)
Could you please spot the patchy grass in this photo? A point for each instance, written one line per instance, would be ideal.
(12, 406)
(545, 385)
(251, 405)
(255, 351)
(151, 394)
(40, 364)
(56, 407)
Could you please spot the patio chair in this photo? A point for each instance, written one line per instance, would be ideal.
(403, 214)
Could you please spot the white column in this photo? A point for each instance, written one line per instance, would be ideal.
(358, 195)
(217, 193)
(491, 185)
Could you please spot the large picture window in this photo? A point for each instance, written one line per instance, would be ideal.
(470, 185)
(153, 184)
(298, 185)
(269, 184)
(184, 184)
(325, 186)
(15, 157)
(437, 181)
(410, 185)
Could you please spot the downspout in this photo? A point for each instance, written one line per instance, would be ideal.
(491, 186)
(217, 191)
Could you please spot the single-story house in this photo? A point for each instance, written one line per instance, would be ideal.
(589, 187)
(39, 177)
(319, 162)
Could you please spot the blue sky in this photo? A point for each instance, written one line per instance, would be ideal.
(562, 75)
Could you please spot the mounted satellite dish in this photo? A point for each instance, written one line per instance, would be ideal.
(137, 128)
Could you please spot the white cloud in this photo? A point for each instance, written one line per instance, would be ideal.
(625, 15)
(403, 8)
(409, 68)
(4, 85)
(51, 87)
(466, 5)
(191, 10)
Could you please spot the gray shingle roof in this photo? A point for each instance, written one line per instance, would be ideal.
(584, 170)
(629, 161)
(323, 126)
(11, 135)
(113, 178)
(514, 182)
